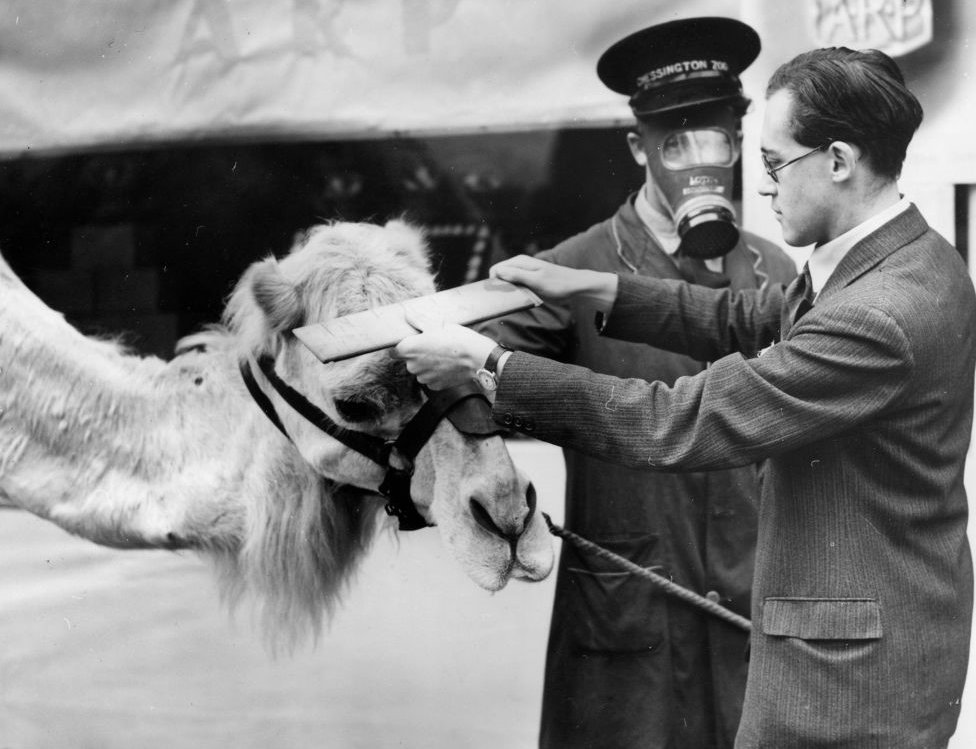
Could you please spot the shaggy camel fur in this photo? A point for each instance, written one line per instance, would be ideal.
(138, 452)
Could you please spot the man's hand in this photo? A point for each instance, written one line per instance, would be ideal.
(443, 355)
(556, 283)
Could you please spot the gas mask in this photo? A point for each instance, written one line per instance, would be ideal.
(692, 170)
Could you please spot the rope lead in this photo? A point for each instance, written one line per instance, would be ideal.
(674, 589)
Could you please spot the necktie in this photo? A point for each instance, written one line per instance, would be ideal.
(799, 296)
(694, 270)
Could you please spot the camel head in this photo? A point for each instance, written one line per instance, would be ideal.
(465, 484)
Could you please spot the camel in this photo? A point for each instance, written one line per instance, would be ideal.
(134, 451)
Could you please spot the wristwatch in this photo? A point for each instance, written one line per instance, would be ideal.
(487, 376)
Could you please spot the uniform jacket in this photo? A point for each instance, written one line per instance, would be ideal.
(861, 416)
(627, 666)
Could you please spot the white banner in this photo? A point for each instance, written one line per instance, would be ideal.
(110, 73)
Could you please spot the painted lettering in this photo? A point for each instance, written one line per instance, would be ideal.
(666, 71)
(895, 26)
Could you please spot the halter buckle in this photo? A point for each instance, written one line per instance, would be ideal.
(399, 505)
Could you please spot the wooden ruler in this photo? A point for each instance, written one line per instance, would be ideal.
(382, 327)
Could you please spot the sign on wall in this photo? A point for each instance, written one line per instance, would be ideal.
(896, 27)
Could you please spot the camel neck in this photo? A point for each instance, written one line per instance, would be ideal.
(94, 438)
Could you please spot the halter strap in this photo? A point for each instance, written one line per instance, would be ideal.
(374, 448)
(465, 406)
(471, 417)
(260, 398)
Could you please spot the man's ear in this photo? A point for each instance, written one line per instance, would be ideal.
(636, 145)
(843, 160)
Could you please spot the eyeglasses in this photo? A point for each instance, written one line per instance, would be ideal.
(771, 170)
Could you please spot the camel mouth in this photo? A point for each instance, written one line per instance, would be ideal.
(515, 557)
(517, 569)
(531, 572)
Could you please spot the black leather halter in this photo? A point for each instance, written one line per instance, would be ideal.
(465, 406)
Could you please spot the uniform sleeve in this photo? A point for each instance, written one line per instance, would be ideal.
(844, 366)
(545, 331)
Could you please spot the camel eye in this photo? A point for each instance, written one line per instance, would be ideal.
(356, 410)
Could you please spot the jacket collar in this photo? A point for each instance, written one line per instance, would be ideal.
(636, 247)
(873, 249)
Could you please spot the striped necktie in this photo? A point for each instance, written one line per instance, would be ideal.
(798, 297)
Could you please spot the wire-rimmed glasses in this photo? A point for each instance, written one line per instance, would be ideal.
(771, 170)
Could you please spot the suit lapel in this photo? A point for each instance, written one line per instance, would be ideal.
(906, 227)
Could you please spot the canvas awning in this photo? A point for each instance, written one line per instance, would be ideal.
(113, 73)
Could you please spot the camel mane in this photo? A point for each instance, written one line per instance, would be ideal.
(342, 268)
(304, 535)
(304, 543)
(104, 442)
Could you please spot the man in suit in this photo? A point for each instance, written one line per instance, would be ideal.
(626, 666)
(853, 388)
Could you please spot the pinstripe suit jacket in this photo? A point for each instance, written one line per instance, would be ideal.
(860, 416)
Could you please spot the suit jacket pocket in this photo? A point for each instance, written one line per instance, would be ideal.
(612, 610)
(822, 618)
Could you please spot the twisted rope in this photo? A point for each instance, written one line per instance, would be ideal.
(668, 586)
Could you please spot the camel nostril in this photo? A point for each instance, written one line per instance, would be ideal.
(483, 518)
(531, 501)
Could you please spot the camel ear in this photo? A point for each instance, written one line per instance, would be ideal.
(277, 298)
(408, 241)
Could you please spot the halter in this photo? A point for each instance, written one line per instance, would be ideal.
(465, 406)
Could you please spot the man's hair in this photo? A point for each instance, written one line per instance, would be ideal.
(858, 97)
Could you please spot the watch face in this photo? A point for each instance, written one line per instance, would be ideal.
(486, 379)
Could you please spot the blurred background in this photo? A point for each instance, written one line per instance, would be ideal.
(150, 151)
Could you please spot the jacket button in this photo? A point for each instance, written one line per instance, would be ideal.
(529, 425)
(507, 419)
(518, 422)
(713, 596)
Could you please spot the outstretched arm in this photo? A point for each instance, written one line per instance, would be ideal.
(446, 355)
(699, 322)
(846, 366)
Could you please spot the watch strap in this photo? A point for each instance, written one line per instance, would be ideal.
(491, 363)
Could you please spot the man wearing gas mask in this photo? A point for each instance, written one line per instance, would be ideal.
(626, 665)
